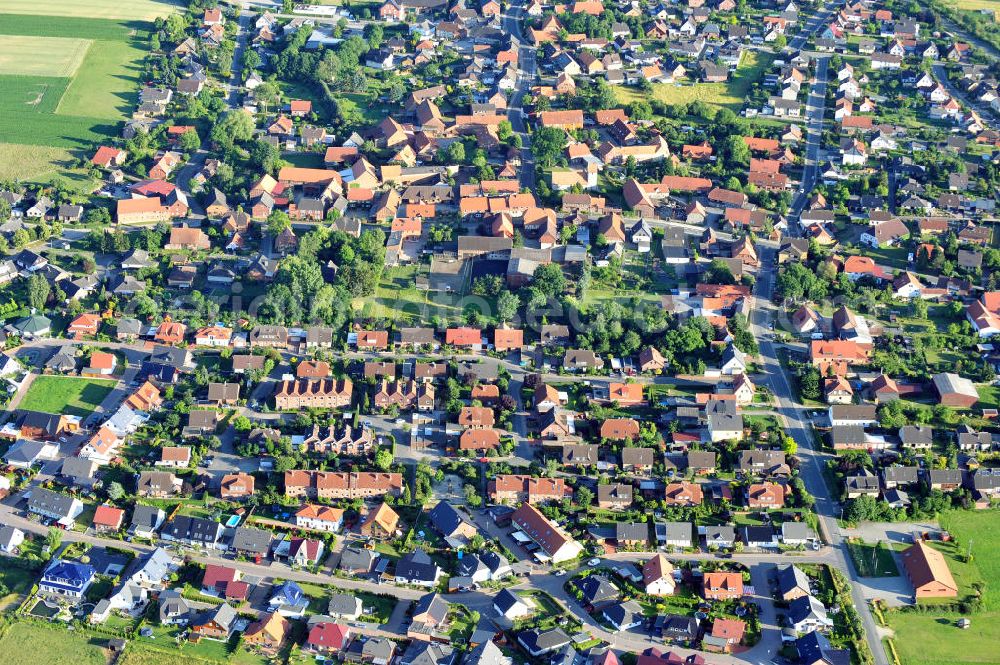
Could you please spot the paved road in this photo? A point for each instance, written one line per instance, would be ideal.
(526, 77)
(811, 459)
(815, 110)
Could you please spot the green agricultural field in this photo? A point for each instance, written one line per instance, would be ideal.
(141, 10)
(70, 71)
(931, 637)
(52, 645)
(41, 56)
(95, 90)
(42, 163)
(66, 394)
(729, 94)
(976, 5)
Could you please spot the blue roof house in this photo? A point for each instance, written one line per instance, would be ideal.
(289, 600)
(67, 579)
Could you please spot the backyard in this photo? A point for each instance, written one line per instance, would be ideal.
(730, 94)
(71, 395)
(49, 644)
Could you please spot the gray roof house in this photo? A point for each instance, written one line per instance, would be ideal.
(146, 520)
(52, 504)
(251, 542)
(344, 606)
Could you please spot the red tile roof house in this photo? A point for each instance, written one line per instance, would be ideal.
(722, 586)
(101, 363)
(476, 417)
(626, 394)
(766, 495)
(327, 638)
(479, 439)
(236, 486)
(620, 429)
(107, 157)
(217, 579)
(726, 634)
(108, 519)
(170, 332)
(470, 338)
(84, 325)
(377, 340)
(683, 494)
(508, 339)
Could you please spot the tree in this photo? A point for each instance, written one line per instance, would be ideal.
(719, 273)
(225, 63)
(809, 384)
(189, 141)
(235, 125)
(21, 238)
(507, 305)
(584, 497)
(38, 291)
(375, 34)
(547, 145)
(266, 94)
(277, 222)
(780, 42)
(456, 152)
(53, 538)
(115, 491)
(738, 150)
(99, 216)
(472, 496)
(383, 459)
(242, 424)
(549, 279)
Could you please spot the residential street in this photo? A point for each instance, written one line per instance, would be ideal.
(812, 460)
(526, 70)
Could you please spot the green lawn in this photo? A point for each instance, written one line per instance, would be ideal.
(729, 94)
(164, 650)
(106, 84)
(931, 637)
(872, 560)
(375, 608)
(52, 645)
(976, 5)
(989, 396)
(683, 602)
(982, 529)
(892, 257)
(66, 394)
(310, 160)
(17, 580)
